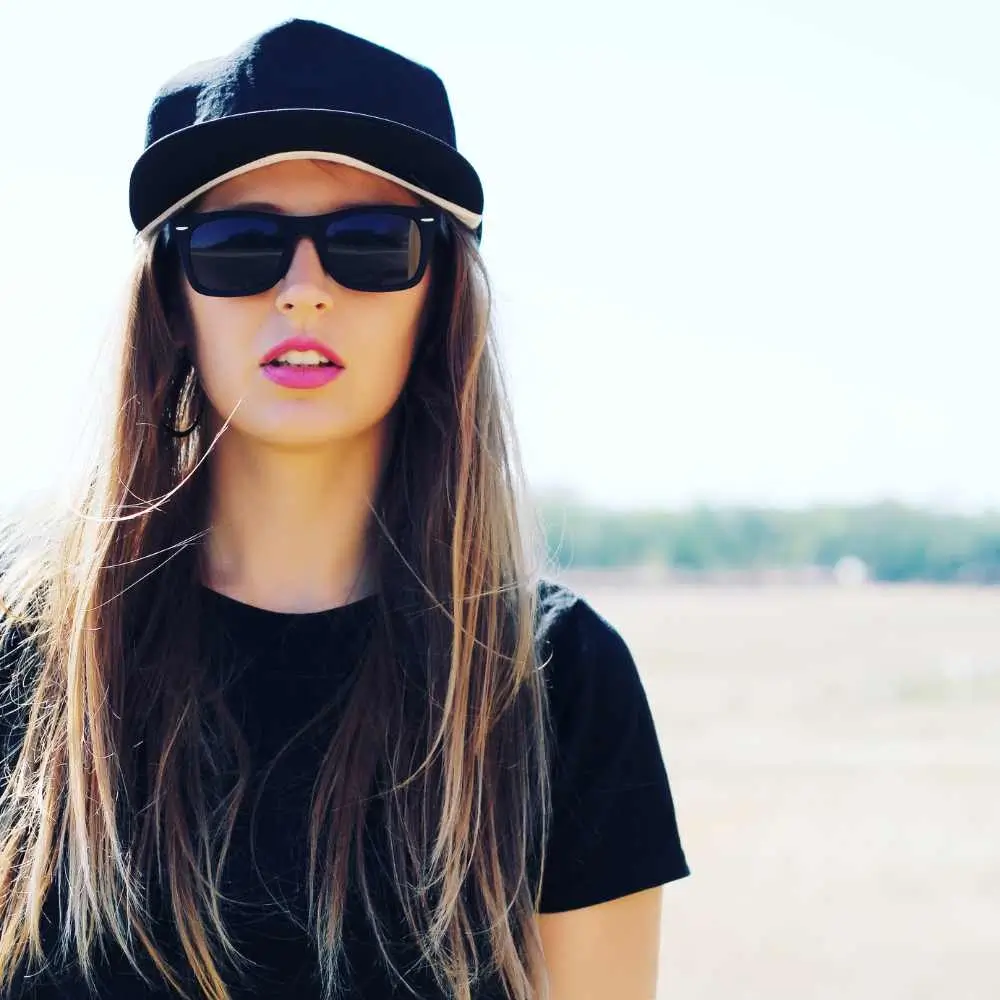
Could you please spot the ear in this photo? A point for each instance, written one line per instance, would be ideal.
(168, 278)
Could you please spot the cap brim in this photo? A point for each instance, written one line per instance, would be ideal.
(178, 168)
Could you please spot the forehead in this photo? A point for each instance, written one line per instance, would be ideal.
(305, 187)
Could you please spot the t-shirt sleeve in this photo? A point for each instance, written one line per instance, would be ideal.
(614, 829)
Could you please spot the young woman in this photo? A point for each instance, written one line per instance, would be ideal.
(287, 712)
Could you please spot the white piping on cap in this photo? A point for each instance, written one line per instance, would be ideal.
(467, 218)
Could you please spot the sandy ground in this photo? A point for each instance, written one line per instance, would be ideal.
(835, 761)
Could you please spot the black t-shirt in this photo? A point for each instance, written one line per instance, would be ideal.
(613, 827)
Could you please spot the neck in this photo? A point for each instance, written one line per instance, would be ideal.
(289, 527)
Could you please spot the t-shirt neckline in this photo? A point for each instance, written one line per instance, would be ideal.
(270, 616)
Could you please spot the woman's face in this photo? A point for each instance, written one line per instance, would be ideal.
(372, 333)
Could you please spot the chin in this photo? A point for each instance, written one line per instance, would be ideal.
(303, 432)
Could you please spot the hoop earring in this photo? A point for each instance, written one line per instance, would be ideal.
(183, 384)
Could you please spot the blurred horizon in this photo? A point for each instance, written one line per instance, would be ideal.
(744, 253)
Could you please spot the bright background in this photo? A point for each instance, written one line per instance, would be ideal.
(744, 251)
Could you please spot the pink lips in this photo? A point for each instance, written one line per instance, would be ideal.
(301, 376)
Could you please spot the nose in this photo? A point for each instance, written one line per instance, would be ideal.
(304, 296)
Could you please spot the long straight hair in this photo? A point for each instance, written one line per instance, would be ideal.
(118, 787)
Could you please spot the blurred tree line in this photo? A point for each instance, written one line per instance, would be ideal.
(896, 542)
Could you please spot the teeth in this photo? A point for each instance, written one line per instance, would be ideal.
(301, 358)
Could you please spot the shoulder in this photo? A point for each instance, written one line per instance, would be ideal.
(19, 633)
(16, 669)
(584, 658)
(16, 657)
(16, 627)
(614, 829)
(569, 628)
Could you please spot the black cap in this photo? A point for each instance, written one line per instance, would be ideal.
(301, 89)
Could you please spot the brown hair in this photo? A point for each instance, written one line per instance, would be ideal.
(116, 784)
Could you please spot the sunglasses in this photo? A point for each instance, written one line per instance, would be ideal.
(369, 248)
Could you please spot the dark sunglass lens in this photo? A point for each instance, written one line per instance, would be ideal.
(373, 251)
(236, 255)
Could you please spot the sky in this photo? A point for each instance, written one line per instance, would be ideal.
(743, 251)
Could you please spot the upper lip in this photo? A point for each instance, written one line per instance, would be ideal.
(301, 344)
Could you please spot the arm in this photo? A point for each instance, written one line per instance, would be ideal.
(604, 951)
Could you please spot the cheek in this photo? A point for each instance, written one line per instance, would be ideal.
(384, 350)
(223, 331)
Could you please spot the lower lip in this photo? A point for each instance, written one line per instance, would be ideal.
(301, 376)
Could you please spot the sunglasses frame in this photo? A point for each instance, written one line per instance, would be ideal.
(292, 228)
